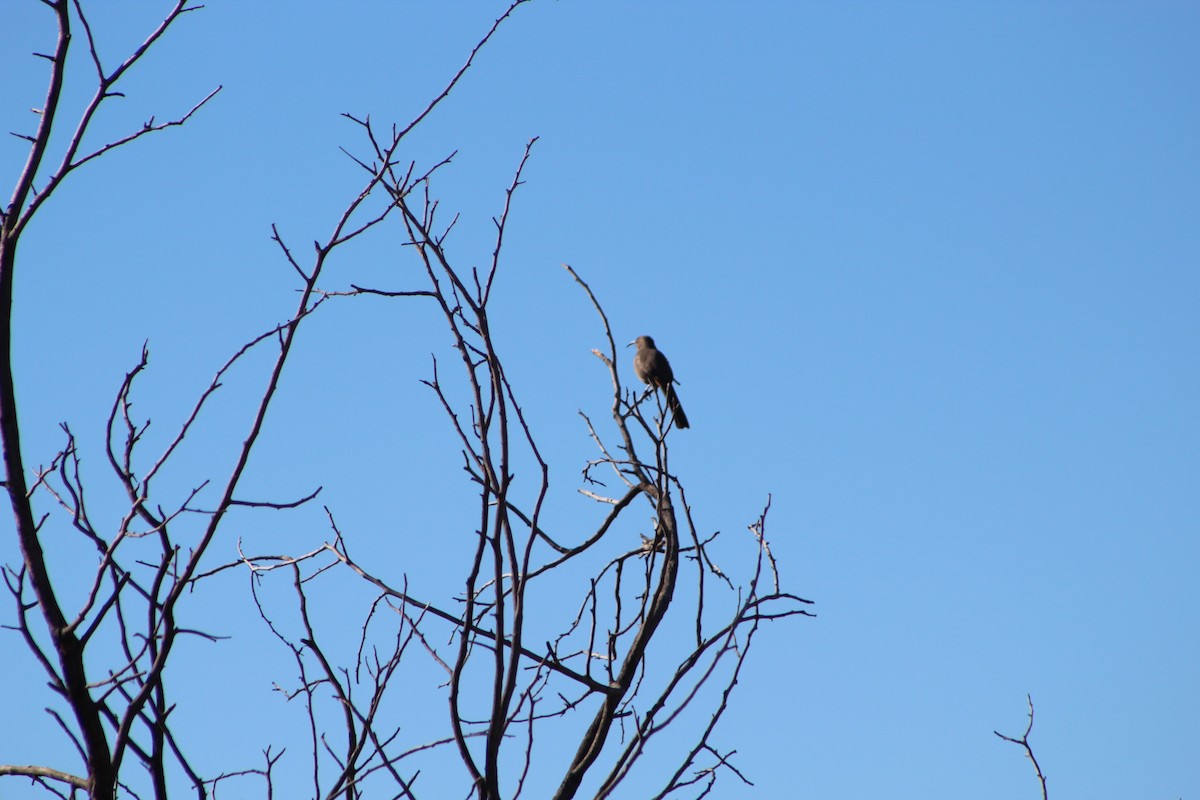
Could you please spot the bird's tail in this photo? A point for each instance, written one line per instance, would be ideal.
(681, 420)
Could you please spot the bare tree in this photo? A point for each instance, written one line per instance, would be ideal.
(518, 671)
(122, 708)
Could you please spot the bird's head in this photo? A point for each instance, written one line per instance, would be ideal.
(642, 341)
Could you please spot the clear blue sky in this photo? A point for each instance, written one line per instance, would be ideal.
(929, 273)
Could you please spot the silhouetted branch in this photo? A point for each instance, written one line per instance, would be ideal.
(1023, 742)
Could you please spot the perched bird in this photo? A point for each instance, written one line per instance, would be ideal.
(653, 368)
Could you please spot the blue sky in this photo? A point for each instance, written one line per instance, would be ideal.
(929, 274)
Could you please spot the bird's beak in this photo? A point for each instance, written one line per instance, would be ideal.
(631, 344)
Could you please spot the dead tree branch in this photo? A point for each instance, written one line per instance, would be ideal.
(1023, 742)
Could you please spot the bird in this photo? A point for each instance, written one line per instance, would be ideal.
(652, 367)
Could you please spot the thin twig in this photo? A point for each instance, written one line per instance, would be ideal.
(1023, 742)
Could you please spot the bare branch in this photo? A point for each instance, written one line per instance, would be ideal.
(104, 90)
(44, 772)
(267, 504)
(1023, 742)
